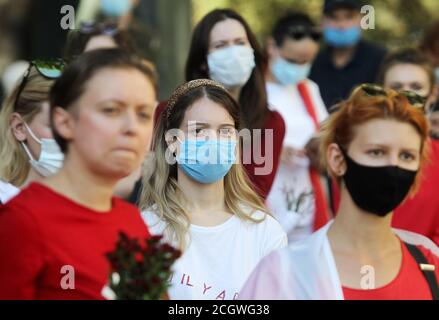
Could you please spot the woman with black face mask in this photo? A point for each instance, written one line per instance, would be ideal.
(376, 147)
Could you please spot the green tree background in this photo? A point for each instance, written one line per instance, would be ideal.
(397, 22)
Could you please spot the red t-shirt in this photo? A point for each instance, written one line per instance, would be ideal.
(42, 231)
(409, 284)
(420, 214)
(262, 183)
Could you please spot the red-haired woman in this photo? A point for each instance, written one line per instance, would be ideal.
(375, 146)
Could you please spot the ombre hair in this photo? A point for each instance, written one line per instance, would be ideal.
(14, 162)
(360, 108)
(161, 192)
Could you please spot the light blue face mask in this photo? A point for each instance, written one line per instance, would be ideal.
(115, 8)
(342, 38)
(206, 161)
(288, 73)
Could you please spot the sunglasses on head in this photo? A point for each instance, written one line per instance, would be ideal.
(49, 69)
(414, 99)
(301, 32)
(105, 28)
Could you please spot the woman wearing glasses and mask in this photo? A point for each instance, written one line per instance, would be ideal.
(296, 199)
(54, 235)
(28, 151)
(375, 145)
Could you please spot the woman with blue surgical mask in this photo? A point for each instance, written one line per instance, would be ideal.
(296, 198)
(196, 192)
(224, 49)
(28, 151)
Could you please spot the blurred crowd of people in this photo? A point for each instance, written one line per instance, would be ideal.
(280, 169)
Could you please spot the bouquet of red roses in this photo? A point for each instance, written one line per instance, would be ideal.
(141, 271)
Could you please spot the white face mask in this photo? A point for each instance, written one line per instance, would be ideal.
(51, 158)
(231, 66)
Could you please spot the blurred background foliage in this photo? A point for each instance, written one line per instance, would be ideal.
(397, 22)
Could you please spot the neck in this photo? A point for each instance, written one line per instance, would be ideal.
(359, 231)
(32, 176)
(342, 56)
(270, 77)
(88, 189)
(202, 197)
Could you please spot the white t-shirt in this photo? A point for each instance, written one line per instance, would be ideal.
(219, 259)
(7, 191)
(291, 199)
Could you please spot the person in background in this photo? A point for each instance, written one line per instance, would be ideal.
(101, 117)
(198, 195)
(347, 60)
(375, 145)
(97, 35)
(430, 47)
(224, 49)
(296, 199)
(123, 14)
(434, 121)
(408, 69)
(28, 151)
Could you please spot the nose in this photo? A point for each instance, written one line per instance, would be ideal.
(394, 159)
(130, 123)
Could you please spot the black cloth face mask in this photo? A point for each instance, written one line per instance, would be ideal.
(377, 190)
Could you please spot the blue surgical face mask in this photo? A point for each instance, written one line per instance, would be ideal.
(115, 8)
(342, 38)
(231, 66)
(288, 73)
(206, 161)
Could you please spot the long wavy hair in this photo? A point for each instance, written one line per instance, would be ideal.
(14, 162)
(161, 192)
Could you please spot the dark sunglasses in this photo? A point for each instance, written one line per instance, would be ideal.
(301, 32)
(414, 99)
(50, 69)
(106, 28)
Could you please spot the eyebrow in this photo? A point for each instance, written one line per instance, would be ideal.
(369, 145)
(205, 124)
(227, 40)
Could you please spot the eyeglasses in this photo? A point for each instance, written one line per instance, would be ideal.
(50, 69)
(301, 32)
(106, 28)
(413, 98)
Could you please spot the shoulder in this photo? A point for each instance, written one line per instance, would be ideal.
(155, 223)
(417, 240)
(373, 49)
(7, 191)
(267, 232)
(275, 121)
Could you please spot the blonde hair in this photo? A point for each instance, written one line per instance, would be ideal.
(161, 191)
(14, 162)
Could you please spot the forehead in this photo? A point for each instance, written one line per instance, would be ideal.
(100, 42)
(301, 47)
(126, 84)
(207, 111)
(226, 30)
(406, 72)
(388, 132)
(343, 13)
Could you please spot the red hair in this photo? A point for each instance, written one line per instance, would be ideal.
(360, 108)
